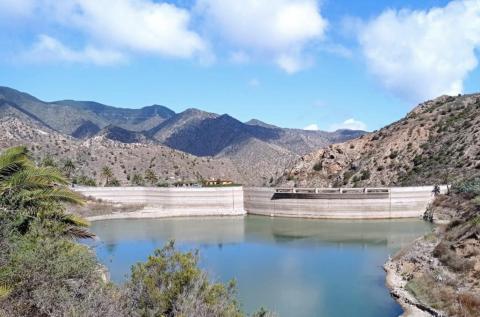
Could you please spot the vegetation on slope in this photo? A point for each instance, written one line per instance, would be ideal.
(437, 142)
(44, 271)
(219, 138)
(91, 156)
(442, 270)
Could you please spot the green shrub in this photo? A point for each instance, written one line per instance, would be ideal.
(317, 167)
(137, 180)
(113, 182)
(49, 275)
(365, 175)
(170, 283)
(469, 186)
(393, 155)
(85, 181)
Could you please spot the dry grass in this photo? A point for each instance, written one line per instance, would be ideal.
(443, 296)
(447, 255)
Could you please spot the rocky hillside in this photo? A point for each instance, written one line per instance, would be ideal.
(82, 118)
(266, 147)
(124, 159)
(439, 274)
(202, 133)
(437, 142)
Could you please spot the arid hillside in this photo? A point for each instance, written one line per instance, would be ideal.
(439, 274)
(124, 159)
(256, 152)
(437, 142)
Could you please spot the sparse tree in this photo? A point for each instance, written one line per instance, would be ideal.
(151, 177)
(107, 173)
(68, 168)
(137, 180)
(48, 161)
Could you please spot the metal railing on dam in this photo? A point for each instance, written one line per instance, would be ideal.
(345, 203)
(331, 193)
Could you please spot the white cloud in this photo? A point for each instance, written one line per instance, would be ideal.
(50, 49)
(276, 29)
(290, 63)
(351, 124)
(419, 55)
(139, 25)
(130, 26)
(311, 127)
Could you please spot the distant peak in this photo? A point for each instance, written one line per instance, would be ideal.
(260, 123)
(195, 111)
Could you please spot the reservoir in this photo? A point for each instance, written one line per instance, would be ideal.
(295, 267)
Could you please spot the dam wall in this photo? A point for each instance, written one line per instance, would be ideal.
(396, 202)
(401, 202)
(170, 202)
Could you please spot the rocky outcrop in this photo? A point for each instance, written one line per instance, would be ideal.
(439, 274)
(437, 142)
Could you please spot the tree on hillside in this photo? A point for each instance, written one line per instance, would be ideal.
(68, 168)
(137, 180)
(107, 173)
(151, 177)
(48, 161)
(30, 193)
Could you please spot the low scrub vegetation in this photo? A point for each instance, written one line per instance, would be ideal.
(449, 280)
(44, 271)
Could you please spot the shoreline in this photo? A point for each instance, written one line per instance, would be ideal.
(141, 214)
(396, 286)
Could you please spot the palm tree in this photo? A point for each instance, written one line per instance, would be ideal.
(68, 167)
(151, 177)
(37, 193)
(107, 174)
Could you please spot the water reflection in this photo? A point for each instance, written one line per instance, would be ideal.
(297, 267)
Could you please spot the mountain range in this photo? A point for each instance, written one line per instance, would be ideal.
(267, 148)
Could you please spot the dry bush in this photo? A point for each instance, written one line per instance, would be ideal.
(469, 304)
(451, 259)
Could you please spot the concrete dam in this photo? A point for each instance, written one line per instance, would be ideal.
(328, 203)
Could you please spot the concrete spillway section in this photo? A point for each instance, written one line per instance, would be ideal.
(398, 202)
(395, 202)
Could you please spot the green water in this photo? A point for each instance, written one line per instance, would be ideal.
(296, 267)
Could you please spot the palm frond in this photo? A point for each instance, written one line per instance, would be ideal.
(33, 178)
(12, 160)
(78, 232)
(55, 194)
(76, 220)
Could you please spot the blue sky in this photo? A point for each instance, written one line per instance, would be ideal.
(294, 63)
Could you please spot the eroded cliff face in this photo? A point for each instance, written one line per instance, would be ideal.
(437, 142)
(439, 274)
